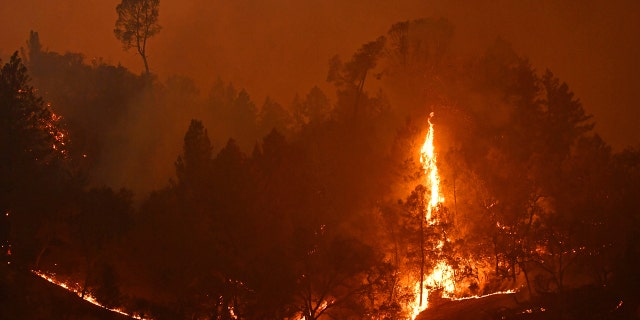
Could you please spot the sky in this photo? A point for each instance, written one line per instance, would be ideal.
(279, 48)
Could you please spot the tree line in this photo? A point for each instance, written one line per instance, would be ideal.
(312, 209)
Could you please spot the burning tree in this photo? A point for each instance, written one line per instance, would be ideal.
(32, 164)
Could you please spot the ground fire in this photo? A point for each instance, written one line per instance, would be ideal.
(85, 296)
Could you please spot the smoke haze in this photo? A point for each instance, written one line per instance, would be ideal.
(279, 48)
(275, 163)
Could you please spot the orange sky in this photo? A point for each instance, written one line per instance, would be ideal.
(280, 47)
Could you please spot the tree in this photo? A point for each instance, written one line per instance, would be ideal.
(30, 133)
(336, 275)
(273, 116)
(137, 22)
(417, 207)
(416, 62)
(420, 44)
(243, 116)
(349, 78)
(626, 190)
(86, 93)
(192, 167)
(32, 156)
(314, 109)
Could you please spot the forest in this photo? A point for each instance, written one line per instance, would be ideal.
(315, 208)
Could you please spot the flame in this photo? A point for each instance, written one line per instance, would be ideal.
(441, 276)
(510, 291)
(323, 306)
(417, 306)
(87, 297)
(428, 160)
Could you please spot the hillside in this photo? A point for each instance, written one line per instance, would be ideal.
(24, 295)
(581, 303)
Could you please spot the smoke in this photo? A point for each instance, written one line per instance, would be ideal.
(278, 48)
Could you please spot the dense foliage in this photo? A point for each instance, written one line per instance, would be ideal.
(312, 209)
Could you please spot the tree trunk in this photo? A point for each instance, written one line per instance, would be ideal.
(358, 94)
(422, 218)
(146, 65)
(526, 278)
(40, 254)
(84, 287)
(86, 278)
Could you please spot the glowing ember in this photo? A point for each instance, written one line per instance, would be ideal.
(87, 297)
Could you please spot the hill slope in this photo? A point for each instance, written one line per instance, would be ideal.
(24, 295)
(583, 303)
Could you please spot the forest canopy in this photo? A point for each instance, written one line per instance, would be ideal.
(173, 201)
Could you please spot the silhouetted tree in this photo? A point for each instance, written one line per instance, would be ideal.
(314, 109)
(311, 226)
(244, 119)
(624, 221)
(33, 163)
(95, 100)
(238, 111)
(193, 167)
(137, 22)
(273, 116)
(108, 291)
(419, 45)
(350, 77)
(102, 218)
(416, 64)
(333, 277)
(416, 229)
(519, 150)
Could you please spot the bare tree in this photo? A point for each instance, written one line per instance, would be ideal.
(137, 22)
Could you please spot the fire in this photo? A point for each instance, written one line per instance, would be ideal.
(441, 278)
(511, 291)
(442, 275)
(52, 126)
(417, 306)
(428, 160)
(87, 297)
